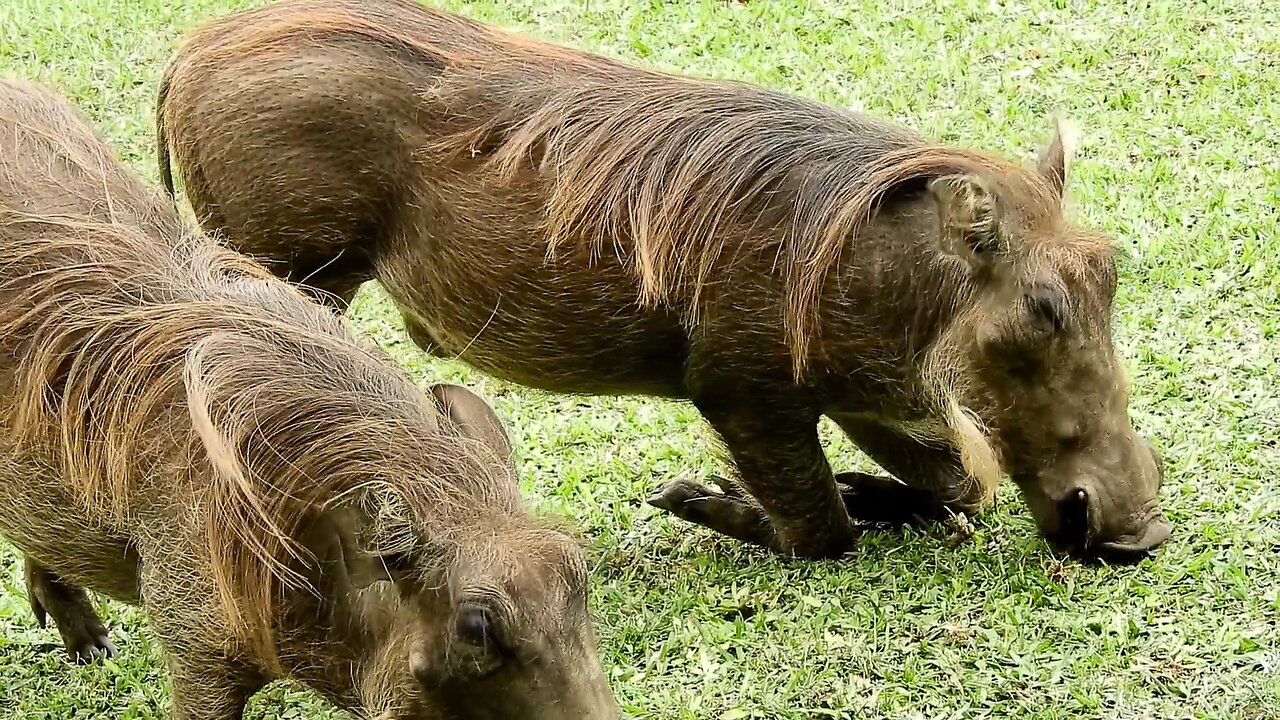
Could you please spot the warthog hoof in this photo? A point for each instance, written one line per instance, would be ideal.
(85, 638)
(880, 500)
(727, 514)
(83, 633)
(88, 645)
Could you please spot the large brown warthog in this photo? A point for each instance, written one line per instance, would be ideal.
(182, 430)
(578, 225)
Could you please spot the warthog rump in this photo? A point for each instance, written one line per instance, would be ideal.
(182, 430)
(580, 225)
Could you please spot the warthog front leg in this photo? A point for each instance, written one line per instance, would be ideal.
(421, 337)
(337, 294)
(795, 507)
(209, 688)
(83, 633)
(207, 685)
(930, 480)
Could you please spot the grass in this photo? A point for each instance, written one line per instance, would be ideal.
(1180, 106)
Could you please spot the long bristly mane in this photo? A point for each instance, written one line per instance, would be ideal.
(679, 176)
(682, 176)
(130, 335)
(125, 345)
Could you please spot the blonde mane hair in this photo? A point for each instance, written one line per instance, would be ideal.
(691, 197)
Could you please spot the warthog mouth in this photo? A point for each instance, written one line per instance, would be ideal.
(1134, 548)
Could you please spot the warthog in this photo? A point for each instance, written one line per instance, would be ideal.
(579, 225)
(184, 431)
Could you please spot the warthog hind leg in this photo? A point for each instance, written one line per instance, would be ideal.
(83, 633)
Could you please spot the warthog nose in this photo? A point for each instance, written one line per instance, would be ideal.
(1075, 517)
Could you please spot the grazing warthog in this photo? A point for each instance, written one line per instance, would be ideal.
(575, 224)
(182, 430)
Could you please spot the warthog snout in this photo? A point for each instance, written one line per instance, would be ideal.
(1156, 532)
(1082, 528)
(1111, 520)
(1142, 531)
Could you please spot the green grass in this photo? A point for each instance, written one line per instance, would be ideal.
(1180, 106)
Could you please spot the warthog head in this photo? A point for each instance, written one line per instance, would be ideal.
(490, 629)
(1047, 379)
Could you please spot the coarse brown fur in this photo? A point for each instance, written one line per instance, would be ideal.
(183, 430)
(580, 225)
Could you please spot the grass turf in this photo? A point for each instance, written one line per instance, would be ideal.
(1180, 107)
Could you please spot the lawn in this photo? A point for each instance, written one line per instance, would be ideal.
(1179, 104)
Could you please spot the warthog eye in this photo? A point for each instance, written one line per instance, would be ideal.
(475, 626)
(478, 633)
(1049, 308)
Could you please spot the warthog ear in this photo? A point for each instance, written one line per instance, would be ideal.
(1055, 160)
(374, 529)
(473, 416)
(970, 222)
(364, 567)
